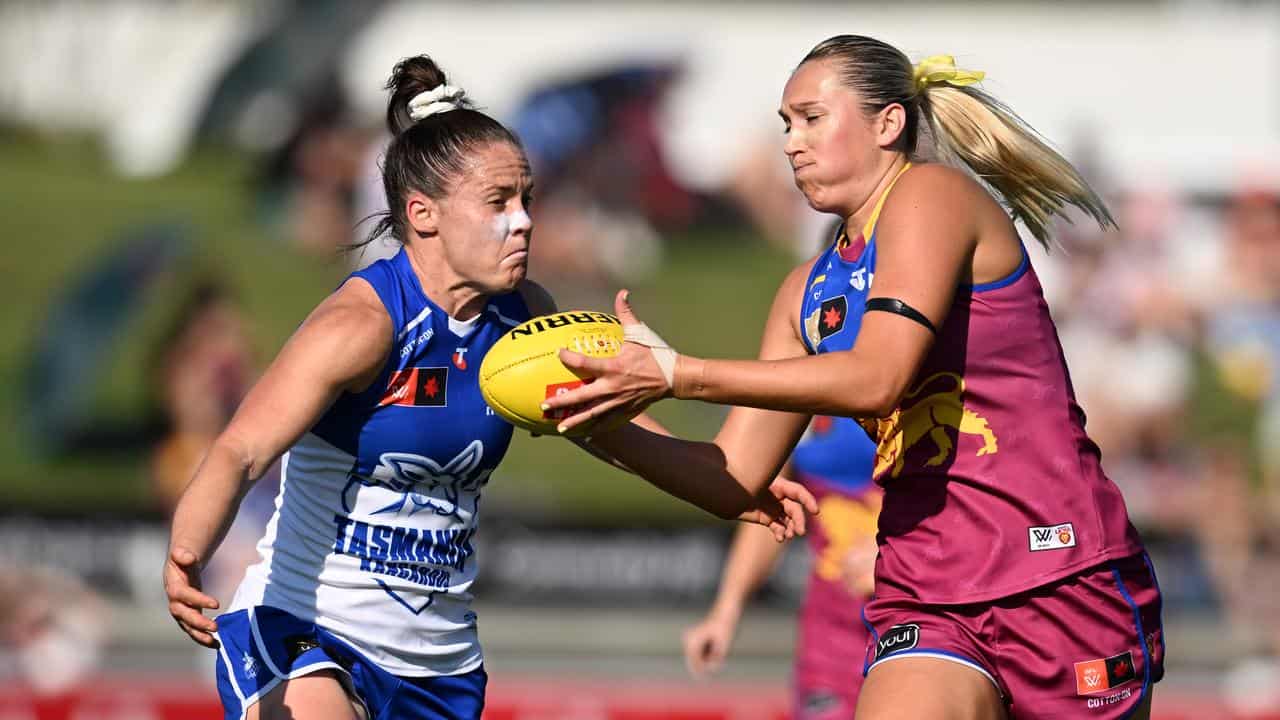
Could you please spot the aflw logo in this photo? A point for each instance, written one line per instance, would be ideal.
(1051, 537)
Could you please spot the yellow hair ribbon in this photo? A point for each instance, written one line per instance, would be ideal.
(942, 69)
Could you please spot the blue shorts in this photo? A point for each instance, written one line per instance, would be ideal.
(263, 646)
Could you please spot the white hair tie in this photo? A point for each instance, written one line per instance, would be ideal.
(441, 98)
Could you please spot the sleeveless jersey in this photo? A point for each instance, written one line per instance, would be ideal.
(992, 486)
(372, 536)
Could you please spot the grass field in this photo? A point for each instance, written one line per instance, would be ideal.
(65, 209)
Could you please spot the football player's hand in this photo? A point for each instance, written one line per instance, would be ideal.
(186, 601)
(707, 644)
(639, 375)
(782, 508)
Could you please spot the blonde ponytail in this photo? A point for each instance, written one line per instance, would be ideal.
(971, 128)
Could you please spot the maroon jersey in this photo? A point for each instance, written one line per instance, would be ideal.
(992, 486)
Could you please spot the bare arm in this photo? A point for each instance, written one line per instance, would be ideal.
(751, 446)
(752, 557)
(700, 472)
(341, 346)
(751, 560)
(926, 240)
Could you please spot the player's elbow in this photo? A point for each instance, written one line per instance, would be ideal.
(239, 455)
(883, 401)
(877, 399)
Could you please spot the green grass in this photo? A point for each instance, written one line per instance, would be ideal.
(66, 209)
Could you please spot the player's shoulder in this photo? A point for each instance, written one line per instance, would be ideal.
(934, 185)
(354, 313)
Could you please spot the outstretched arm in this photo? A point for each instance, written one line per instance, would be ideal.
(340, 346)
(921, 256)
(730, 478)
(751, 446)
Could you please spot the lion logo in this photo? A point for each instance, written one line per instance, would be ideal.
(932, 415)
(846, 523)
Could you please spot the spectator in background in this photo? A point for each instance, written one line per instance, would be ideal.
(604, 191)
(206, 366)
(1242, 339)
(311, 186)
(52, 628)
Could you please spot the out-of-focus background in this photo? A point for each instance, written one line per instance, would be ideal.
(176, 179)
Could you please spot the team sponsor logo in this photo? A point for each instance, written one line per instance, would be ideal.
(560, 320)
(417, 343)
(898, 639)
(858, 279)
(1051, 537)
(460, 358)
(831, 316)
(560, 389)
(936, 416)
(417, 387)
(1095, 676)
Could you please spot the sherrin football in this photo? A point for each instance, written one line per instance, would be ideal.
(523, 368)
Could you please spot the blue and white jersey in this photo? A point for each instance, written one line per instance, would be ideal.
(372, 536)
(836, 293)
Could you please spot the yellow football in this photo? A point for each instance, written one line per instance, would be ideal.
(523, 368)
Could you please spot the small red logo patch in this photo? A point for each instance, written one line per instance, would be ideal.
(831, 318)
(459, 359)
(1091, 677)
(560, 389)
(1095, 676)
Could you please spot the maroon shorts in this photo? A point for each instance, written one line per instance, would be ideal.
(829, 650)
(1089, 645)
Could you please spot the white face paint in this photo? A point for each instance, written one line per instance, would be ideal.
(507, 223)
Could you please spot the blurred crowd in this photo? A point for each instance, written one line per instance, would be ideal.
(1171, 324)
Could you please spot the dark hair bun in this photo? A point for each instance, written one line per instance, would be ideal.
(410, 77)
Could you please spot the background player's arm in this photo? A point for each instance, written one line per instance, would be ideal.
(752, 557)
(341, 346)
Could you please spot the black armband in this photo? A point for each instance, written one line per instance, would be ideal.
(897, 307)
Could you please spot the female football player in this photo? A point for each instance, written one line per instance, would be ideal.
(360, 605)
(1009, 581)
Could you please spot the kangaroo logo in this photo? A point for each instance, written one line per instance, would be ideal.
(933, 415)
(422, 483)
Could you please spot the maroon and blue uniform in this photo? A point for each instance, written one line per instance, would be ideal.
(834, 461)
(1003, 545)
